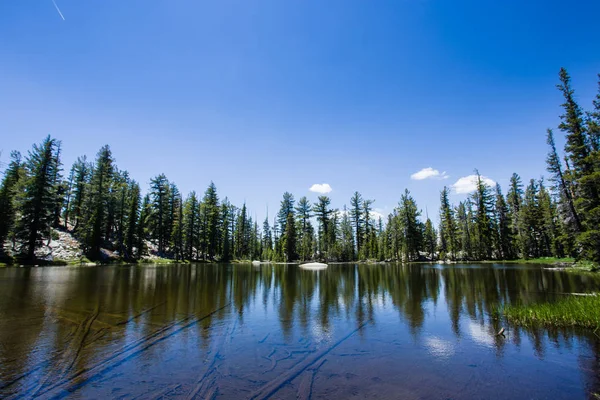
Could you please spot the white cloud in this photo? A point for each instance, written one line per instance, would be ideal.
(429, 173)
(321, 188)
(468, 184)
(374, 215)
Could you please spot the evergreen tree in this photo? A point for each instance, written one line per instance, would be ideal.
(131, 239)
(303, 213)
(159, 194)
(530, 220)
(483, 222)
(37, 199)
(81, 173)
(190, 225)
(227, 219)
(430, 239)
(448, 230)
(410, 226)
(177, 243)
(60, 188)
(289, 238)
(356, 216)
(514, 199)
(368, 228)
(267, 240)
(593, 126)
(142, 226)
(98, 201)
(573, 125)
(465, 229)
(8, 190)
(210, 216)
(242, 234)
(561, 184)
(286, 208)
(502, 222)
(323, 214)
(346, 237)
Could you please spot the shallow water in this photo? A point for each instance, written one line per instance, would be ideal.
(243, 331)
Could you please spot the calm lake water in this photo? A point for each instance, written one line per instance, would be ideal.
(275, 331)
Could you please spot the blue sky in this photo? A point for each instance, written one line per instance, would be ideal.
(269, 96)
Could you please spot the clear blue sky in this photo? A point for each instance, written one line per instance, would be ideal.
(267, 96)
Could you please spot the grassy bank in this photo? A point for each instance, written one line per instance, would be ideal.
(580, 311)
(541, 260)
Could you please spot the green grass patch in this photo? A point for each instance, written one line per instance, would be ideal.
(580, 311)
(541, 260)
(588, 266)
(157, 261)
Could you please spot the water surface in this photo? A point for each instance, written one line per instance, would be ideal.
(240, 331)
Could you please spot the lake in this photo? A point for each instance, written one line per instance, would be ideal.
(237, 331)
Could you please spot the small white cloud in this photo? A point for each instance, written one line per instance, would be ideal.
(429, 173)
(322, 188)
(468, 184)
(374, 215)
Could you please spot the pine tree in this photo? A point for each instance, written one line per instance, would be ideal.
(289, 238)
(323, 214)
(408, 215)
(267, 238)
(98, 201)
(356, 216)
(530, 220)
(60, 188)
(190, 225)
(430, 239)
(210, 216)
(346, 237)
(593, 126)
(465, 229)
(172, 218)
(286, 208)
(177, 244)
(504, 242)
(448, 230)
(483, 222)
(303, 214)
(132, 219)
(81, 171)
(159, 194)
(584, 176)
(573, 125)
(561, 184)
(37, 199)
(514, 199)
(242, 234)
(368, 228)
(8, 190)
(142, 226)
(227, 219)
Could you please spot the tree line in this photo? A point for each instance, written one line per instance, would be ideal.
(106, 210)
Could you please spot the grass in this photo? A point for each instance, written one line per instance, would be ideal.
(157, 260)
(576, 311)
(541, 260)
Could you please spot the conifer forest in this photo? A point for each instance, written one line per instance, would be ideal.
(105, 209)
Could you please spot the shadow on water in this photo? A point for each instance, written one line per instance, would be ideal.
(238, 331)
